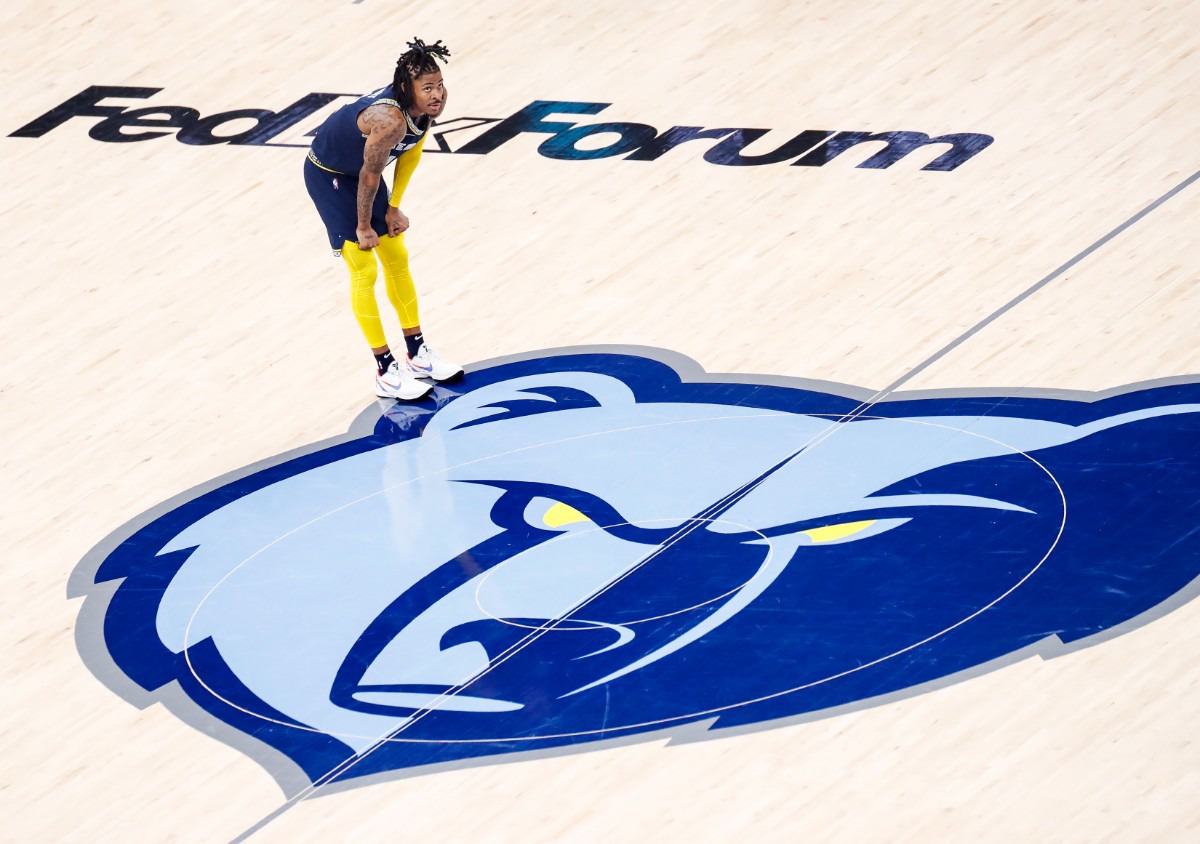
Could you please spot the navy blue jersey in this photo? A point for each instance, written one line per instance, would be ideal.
(339, 144)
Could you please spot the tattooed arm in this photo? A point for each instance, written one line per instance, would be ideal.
(384, 126)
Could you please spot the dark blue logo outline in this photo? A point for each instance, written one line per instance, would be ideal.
(123, 578)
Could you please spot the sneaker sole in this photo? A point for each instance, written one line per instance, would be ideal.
(398, 397)
(428, 376)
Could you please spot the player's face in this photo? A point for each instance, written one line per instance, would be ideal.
(429, 94)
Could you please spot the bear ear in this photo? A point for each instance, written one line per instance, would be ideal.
(531, 394)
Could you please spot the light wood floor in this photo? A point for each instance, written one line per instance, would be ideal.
(171, 313)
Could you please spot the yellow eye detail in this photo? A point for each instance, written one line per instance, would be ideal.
(563, 514)
(829, 533)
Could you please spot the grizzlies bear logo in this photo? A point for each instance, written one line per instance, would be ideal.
(599, 544)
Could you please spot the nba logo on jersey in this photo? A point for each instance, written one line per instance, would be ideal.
(593, 546)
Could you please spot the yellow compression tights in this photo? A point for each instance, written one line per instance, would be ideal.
(397, 281)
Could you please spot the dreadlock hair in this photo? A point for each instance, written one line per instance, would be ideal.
(420, 58)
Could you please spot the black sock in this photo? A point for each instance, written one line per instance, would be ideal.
(414, 344)
(384, 360)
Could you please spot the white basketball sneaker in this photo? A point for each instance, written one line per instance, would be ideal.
(400, 382)
(429, 364)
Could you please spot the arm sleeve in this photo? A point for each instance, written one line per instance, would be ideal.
(405, 165)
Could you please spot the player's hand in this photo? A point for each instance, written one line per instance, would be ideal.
(367, 239)
(397, 221)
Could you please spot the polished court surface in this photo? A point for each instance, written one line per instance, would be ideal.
(803, 484)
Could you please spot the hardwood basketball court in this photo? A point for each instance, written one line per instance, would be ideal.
(172, 315)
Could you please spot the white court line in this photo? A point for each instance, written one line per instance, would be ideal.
(393, 735)
(503, 656)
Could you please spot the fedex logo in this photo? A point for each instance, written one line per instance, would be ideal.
(565, 139)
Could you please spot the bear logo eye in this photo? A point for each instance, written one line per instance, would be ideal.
(560, 514)
(831, 533)
(838, 532)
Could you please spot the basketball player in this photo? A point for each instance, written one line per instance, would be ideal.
(343, 174)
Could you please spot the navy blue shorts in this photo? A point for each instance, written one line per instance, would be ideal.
(336, 198)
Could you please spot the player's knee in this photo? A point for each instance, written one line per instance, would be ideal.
(392, 249)
(362, 266)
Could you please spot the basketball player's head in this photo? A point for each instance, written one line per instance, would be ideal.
(418, 81)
